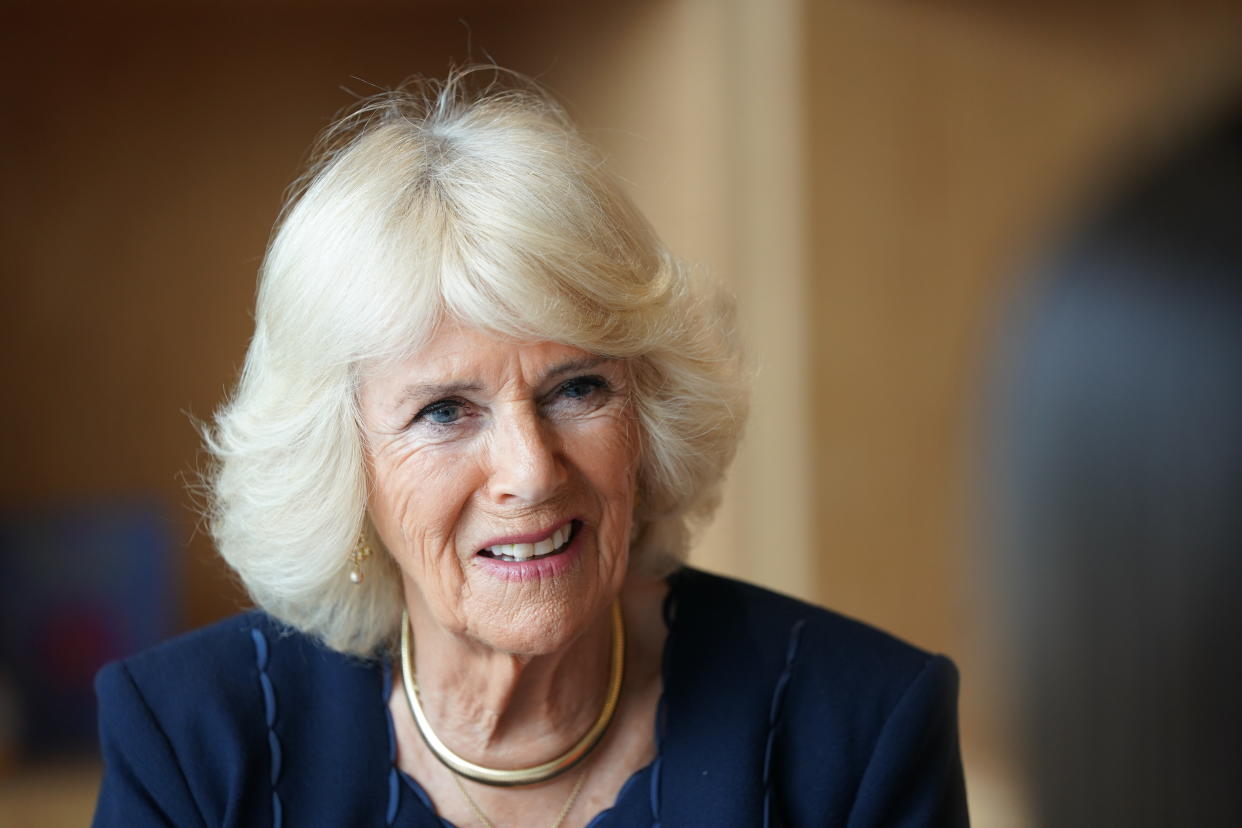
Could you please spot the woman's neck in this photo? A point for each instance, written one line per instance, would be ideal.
(488, 727)
(504, 710)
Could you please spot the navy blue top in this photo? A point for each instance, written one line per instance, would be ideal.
(774, 713)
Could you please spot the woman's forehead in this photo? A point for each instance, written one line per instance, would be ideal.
(456, 346)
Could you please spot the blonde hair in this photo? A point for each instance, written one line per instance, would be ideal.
(461, 200)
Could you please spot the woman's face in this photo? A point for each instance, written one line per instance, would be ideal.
(503, 478)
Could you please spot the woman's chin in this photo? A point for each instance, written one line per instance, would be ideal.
(541, 640)
(539, 626)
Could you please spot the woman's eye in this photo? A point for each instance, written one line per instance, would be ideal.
(580, 387)
(444, 412)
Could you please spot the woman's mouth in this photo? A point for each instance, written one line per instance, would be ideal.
(555, 543)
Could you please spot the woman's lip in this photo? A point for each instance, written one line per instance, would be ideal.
(530, 537)
(534, 569)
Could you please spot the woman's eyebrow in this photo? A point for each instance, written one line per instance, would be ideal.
(432, 390)
(581, 364)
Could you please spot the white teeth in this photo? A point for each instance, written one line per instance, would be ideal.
(526, 551)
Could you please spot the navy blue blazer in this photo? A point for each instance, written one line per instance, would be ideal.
(774, 713)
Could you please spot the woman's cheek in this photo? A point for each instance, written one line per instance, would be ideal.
(408, 483)
(613, 454)
(611, 436)
(432, 495)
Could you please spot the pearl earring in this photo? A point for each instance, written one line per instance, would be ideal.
(361, 551)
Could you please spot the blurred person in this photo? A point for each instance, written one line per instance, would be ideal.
(480, 411)
(1119, 504)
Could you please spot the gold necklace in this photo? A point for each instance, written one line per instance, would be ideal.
(517, 776)
(560, 818)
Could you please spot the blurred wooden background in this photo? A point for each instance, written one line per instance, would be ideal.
(866, 175)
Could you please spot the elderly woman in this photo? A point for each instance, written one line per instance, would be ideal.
(481, 408)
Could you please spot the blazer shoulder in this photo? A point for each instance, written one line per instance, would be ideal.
(816, 702)
(203, 658)
(829, 642)
(183, 728)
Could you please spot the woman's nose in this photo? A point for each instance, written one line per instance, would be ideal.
(526, 462)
